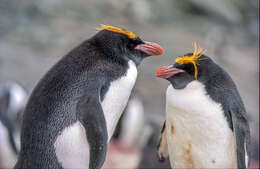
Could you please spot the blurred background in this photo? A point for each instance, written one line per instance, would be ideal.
(34, 34)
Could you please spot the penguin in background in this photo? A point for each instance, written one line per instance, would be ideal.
(149, 159)
(73, 111)
(13, 98)
(206, 121)
(132, 121)
(124, 147)
(135, 138)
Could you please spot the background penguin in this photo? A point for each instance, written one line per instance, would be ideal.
(149, 158)
(72, 112)
(206, 123)
(124, 147)
(135, 138)
(13, 98)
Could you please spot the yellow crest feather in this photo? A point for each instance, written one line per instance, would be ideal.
(118, 30)
(192, 59)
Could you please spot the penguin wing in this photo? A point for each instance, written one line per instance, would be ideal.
(90, 114)
(162, 148)
(242, 138)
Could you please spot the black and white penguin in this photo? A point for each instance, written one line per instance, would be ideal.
(13, 98)
(73, 111)
(149, 159)
(206, 121)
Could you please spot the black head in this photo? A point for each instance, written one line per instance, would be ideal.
(120, 43)
(180, 75)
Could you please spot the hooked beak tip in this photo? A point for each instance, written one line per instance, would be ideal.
(167, 71)
(150, 48)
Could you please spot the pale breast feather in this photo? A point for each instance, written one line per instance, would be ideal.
(72, 148)
(116, 97)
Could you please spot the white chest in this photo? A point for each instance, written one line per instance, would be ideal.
(198, 135)
(117, 96)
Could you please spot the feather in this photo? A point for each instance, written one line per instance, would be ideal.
(192, 59)
(118, 30)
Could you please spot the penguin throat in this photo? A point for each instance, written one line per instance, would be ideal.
(136, 59)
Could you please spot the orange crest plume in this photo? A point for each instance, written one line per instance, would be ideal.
(192, 59)
(118, 30)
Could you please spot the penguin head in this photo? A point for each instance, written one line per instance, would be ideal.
(119, 43)
(187, 68)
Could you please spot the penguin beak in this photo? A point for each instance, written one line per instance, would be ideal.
(150, 48)
(167, 71)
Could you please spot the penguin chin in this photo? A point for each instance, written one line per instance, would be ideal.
(181, 80)
(135, 57)
(179, 85)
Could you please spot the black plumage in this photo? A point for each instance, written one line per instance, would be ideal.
(71, 91)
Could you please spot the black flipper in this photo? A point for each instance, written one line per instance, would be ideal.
(162, 148)
(242, 138)
(91, 116)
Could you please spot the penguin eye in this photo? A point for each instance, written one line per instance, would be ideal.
(132, 43)
(189, 68)
(136, 41)
(131, 46)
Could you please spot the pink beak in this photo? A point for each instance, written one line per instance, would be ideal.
(150, 48)
(167, 71)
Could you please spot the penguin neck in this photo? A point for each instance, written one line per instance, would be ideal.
(124, 58)
(136, 59)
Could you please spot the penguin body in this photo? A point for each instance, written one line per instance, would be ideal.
(112, 105)
(72, 112)
(13, 98)
(206, 123)
(197, 130)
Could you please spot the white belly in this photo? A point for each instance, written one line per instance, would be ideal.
(198, 135)
(117, 97)
(71, 146)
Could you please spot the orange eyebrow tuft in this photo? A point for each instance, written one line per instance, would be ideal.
(118, 30)
(192, 59)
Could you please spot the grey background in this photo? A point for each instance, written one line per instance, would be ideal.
(34, 34)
